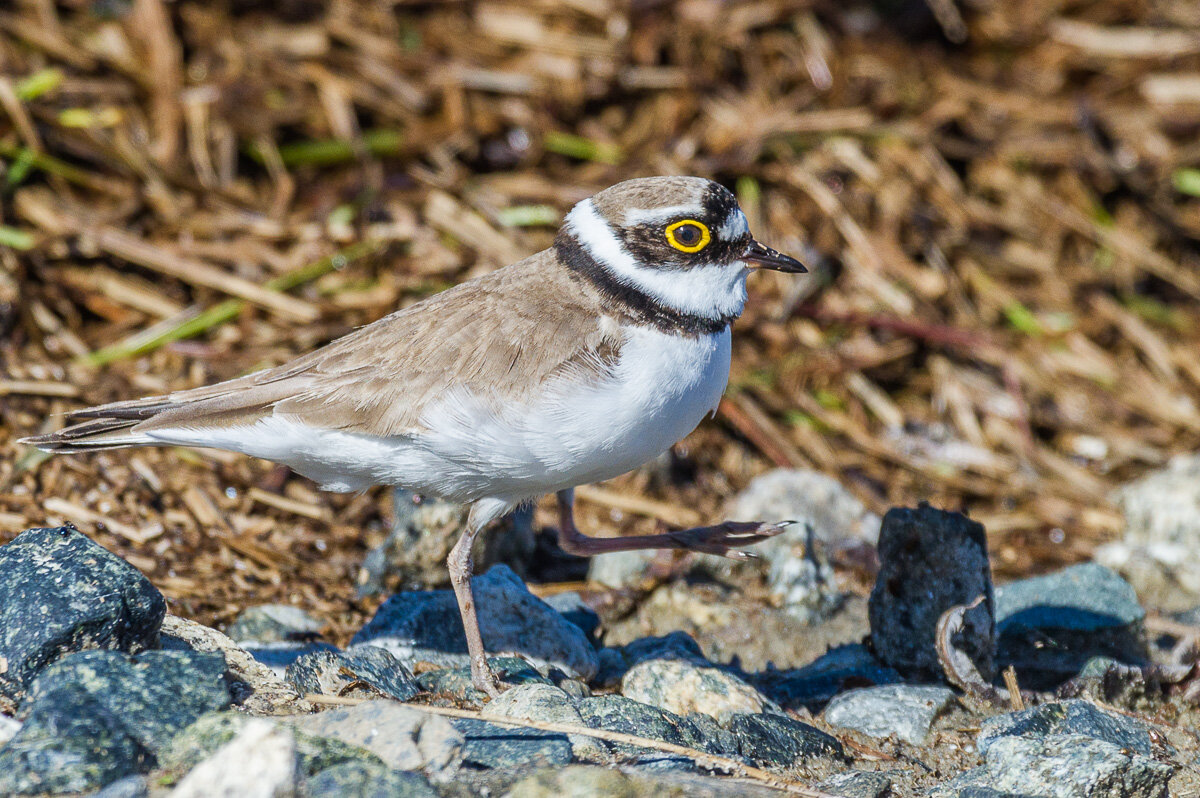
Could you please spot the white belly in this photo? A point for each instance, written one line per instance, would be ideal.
(574, 432)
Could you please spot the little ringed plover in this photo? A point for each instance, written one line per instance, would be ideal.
(572, 366)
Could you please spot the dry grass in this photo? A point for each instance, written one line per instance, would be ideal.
(1005, 313)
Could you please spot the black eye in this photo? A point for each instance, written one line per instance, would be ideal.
(689, 235)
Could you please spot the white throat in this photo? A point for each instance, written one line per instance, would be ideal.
(713, 292)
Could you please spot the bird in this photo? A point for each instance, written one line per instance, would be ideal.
(574, 365)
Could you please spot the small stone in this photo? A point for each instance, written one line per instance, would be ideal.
(261, 761)
(152, 695)
(807, 497)
(1051, 625)
(858, 784)
(8, 728)
(404, 738)
(906, 711)
(365, 672)
(365, 780)
(1067, 717)
(622, 569)
(273, 623)
(930, 561)
(681, 687)
(255, 687)
(825, 677)
(413, 625)
(279, 656)
(1069, 765)
(492, 745)
(777, 741)
(552, 705)
(62, 594)
(456, 682)
(1158, 552)
(128, 787)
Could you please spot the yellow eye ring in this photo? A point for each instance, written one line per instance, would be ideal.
(705, 236)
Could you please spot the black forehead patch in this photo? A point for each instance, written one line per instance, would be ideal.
(718, 203)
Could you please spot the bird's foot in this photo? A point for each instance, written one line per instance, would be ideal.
(726, 540)
(485, 679)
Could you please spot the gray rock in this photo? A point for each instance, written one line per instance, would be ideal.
(1067, 717)
(1070, 766)
(682, 686)
(204, 738)
(423, 532)
(550, 704)
(413, 624)
(623, 568)
(1050, 626)
(807, 497)
(456, 682)
(363, 780)
(930, 561)
(261, 761)
(777, 741)
(366, 671)
(255, 687)
(572, 607)
(1158, 553)
(77, 750)
(493, 745)
(62, 594)
(98, 716)
(857, 784)
(273, 623)
(825, 677)
(152, 695)
(402, 737)
(906, 711)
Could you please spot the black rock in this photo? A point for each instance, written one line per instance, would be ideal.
(572, 607)
(61, 594)
(366, 780)
(153, 695)
(365, 671)
(491, 745)
(69, 743)
(781, 742)
(930, 561)
(1067, 717)
(858, 784)
(1050, 626)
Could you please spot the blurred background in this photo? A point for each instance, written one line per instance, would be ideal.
(999, 202)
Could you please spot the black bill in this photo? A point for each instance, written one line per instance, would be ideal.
(763, 257)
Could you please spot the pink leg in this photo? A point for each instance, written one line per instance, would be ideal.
(461, 567)
(722, 539)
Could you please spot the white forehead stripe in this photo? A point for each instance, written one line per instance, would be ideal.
(659, 215)
(712, 291)
(735, 226)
